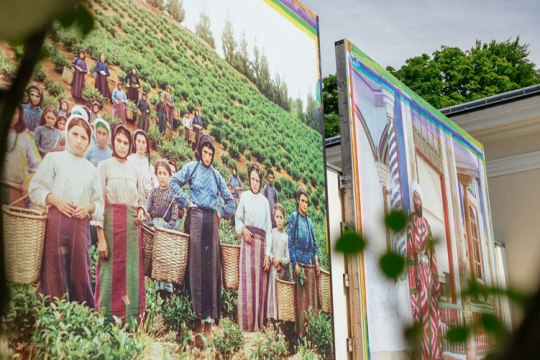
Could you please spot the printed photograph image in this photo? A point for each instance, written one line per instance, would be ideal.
(164, 188)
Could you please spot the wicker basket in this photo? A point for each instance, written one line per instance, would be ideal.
(191, 136)
(148, 244)
(285, 300)
(67, 75)
(169, 255)
(230, 265)
(24, 233)
(129, 114)
(177, 114)
(324, 288)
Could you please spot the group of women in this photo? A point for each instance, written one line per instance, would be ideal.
(90, 188)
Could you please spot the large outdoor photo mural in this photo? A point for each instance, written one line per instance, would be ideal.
(173, 161)
(407, 155)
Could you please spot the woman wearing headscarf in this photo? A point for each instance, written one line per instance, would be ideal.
(69, 185)
(144, 108)
(253, 221)
(205, 186)
(32, 109)
(22, 159)
(102, 74)
(77, 85)
(120, 274)
(133, 85)
(100, 150)
(304, 253)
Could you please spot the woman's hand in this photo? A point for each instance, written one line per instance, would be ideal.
(275, 261)
(140, 216)
(84, 210)
(317, 269)
(246, 234)
(103, 250)
(65, 206)
(266, 264)
(218, 215)
(297, 269)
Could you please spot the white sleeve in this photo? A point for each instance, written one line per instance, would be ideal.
(42, 182)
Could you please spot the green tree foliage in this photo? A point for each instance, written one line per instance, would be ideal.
(228, 42)
(175, 8)
(452, 76)
(159, 4)
(202, 29)
(330, 104)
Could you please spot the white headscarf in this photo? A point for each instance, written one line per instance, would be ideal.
(73, 117)
(415, 187)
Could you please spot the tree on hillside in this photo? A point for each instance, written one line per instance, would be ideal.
(228, 43)
(242, 62)
(175, 8)
(452, 76)
(330, 103)
(202, 30)
(159, 4)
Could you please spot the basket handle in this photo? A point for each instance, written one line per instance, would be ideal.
(22, 198)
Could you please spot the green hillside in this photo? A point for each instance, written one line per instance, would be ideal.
(248, 125)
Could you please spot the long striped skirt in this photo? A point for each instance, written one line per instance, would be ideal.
(119, 111)
(170, 117)
(305, 297)
(66, 268)
(253, 282)
(102, 85)
(120, 277)
(77, 85)
(204, 263)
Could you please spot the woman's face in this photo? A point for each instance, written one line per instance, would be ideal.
(280, 219)
(254, 181)
(140, 145)
(302, 204)
(102, 136)
(64, 106)
(35, 98)
(78, 140)
(163, 176)
(102, 57)
(95, 109)
(50, 119)
(81, 55)
(121, 145)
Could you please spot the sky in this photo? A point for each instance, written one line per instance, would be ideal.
(269, 30)
(391, 31)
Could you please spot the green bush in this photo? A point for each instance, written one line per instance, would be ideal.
(269, 345)
(54, 88)
(39, 73)
(227, 341)
(21, 314)
(319, 333)
(227, 234)
(49, 100)
(178, 314)
(229, 303)
(91, 94)
(69, 330)
(7, 66)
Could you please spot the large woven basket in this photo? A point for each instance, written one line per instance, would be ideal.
(67, 75)
(230, 265)
(177, 114)
(148, 244)
(285, 300)
(324, 288)
(169, 255)
(191, 136)
(24, 232)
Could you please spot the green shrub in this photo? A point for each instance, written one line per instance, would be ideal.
(49, 100)
(227, 234)
(39, 73)
(7, 66)
(319, 333)
(178, 314)
(306, 353)
(59, 59)
(269, 345)
(69, 330)
(54, 88)
(21, 314)
(227, 341)
(229, 303)
(91, 94)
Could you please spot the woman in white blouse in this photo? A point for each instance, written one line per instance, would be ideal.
(120, 276)
(68, 183)
(253, 222)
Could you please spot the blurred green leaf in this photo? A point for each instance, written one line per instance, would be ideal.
(79, 17)
(396, 220)
(392, 265)
(350, 243)
(458, 334)
(413, 333)
(492, 324)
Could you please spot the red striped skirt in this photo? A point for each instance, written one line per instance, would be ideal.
(305, 297)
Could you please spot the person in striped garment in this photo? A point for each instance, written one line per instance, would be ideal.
(424, 285)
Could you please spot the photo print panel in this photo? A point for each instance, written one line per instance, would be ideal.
(173, 159)
(406, 155)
